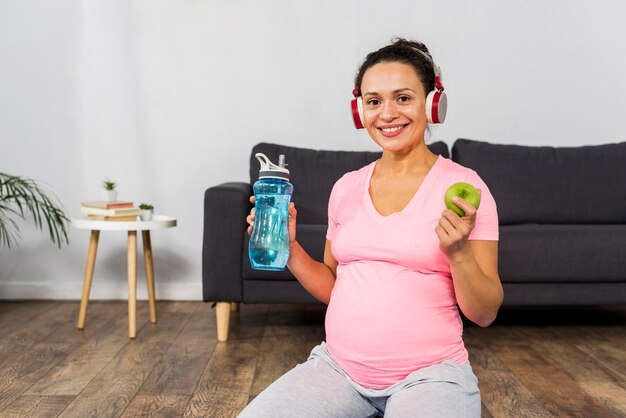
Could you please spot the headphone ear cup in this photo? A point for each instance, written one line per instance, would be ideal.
(436, 106)
(357, 112)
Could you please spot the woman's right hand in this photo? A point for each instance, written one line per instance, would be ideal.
(250, 218)
(317, 278)
(292, 222)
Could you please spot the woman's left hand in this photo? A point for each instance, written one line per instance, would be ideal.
(454, 230)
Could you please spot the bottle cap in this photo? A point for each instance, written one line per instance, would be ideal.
(271, 170)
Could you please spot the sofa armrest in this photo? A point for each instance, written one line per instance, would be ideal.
(225, 209)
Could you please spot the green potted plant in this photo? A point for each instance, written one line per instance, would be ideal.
(19, 195)
(146, 211)
(110, 191)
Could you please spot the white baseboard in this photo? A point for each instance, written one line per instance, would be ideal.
(99, 291)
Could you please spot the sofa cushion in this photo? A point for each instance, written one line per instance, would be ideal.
(562, 253)
(313, 173)
(584, 185)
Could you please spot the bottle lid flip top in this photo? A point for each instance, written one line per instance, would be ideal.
(271, 170)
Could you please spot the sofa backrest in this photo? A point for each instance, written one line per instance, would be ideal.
(540, 184)
(313, 173)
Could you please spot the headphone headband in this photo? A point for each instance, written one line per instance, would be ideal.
(425, 55)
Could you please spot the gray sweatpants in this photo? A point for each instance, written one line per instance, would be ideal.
(319, 388)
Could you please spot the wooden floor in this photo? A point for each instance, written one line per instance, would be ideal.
(566, 362)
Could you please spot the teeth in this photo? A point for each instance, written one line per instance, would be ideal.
(388, 130)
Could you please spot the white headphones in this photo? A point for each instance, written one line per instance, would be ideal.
(436, 100)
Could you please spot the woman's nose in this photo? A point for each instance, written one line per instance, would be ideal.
(389, 110)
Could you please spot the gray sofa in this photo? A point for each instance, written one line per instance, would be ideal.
(562, 214)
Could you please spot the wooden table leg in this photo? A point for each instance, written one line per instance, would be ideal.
(222, 313)
(91, 262)
(147, 258)
(132, 284)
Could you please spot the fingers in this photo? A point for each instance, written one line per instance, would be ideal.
(292, 211)
(468, 208)
(453, 226)
(250, 217)
(446, 221)
(441, 233)
(449, 222)
(250, 220)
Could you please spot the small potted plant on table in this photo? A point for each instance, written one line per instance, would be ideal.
(110, 191)
(146, 211)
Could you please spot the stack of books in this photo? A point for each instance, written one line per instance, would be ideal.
(109, 211)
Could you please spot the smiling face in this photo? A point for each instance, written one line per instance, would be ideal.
(394, 104)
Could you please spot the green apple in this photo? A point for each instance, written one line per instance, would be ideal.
(466, 192)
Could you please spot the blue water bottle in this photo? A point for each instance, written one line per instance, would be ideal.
(269, 242)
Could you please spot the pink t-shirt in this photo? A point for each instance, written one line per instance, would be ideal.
(393, 309)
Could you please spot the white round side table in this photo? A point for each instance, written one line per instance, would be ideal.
(157, 222)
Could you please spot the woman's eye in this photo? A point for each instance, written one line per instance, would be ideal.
(373, 102)
(404, 99)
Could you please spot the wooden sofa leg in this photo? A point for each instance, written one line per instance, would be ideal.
(234, 306)
(222, 313)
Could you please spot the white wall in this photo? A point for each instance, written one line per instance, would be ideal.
(168, 97)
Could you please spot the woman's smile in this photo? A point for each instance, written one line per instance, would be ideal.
(390, 131)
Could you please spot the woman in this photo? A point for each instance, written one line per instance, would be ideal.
(396, 265)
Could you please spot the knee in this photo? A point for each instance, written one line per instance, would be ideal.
(441, 400)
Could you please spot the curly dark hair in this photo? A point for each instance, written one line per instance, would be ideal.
(408, 52)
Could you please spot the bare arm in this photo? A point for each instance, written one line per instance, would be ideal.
(317, 278)
(474, 266)
(476, 282)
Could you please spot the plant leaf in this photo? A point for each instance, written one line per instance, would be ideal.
(16, 195)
